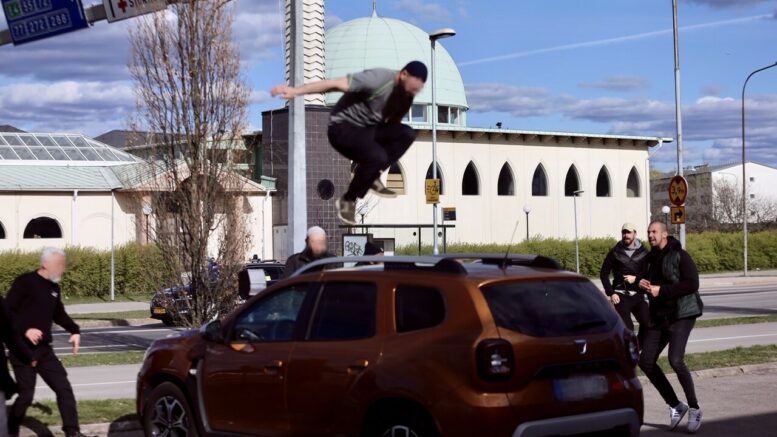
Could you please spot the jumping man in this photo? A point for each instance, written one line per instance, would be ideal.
(365, 124)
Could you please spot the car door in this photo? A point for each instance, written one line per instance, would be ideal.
(243, 378)
(340, 345)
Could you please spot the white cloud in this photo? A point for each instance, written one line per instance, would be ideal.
(617, 83)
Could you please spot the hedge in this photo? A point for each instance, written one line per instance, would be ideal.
(712, 251)
(89, 270)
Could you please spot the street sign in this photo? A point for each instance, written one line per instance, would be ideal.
(678, 190)
(432, 191)
(449, 214)
(678, 215)
(116, 10)
(31, 20)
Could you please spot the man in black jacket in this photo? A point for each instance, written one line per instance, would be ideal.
(316, 248)
(672, 284)
(13, 342)
(34, 302)
(627, 260)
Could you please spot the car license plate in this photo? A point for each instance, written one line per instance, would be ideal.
(160, 311)
(578, 388)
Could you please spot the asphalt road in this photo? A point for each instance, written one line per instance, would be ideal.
(114, 339)
(742, 300)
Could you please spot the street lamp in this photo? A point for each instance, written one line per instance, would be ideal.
(577, 241)
(527, 210)
(147, 210)
(433, 37)
(665, 209)
(744, 173)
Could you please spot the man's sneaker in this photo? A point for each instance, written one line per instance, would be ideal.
(346, 210)
(676, 415)
(379, 189)
(694, 420)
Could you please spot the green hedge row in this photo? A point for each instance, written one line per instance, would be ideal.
(712, 251)
(89, 270)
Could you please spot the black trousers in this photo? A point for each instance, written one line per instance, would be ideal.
(656, 339)
(638, 306)
(373, 149)
(54, 375)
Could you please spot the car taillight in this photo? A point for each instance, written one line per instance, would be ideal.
(632, 347)
(495, 359)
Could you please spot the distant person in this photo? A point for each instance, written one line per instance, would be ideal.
(626, 261)
(672, 283)
(35, 302)
(365, 125)
(371, 249)
(316, 248)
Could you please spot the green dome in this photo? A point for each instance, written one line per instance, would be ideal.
(375, 41)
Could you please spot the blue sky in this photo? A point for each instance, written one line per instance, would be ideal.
(599, 66)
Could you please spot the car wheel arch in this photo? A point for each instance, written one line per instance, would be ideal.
(396, 404)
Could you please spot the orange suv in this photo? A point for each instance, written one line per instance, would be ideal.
(470, 345)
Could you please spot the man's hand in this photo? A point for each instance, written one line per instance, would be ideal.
(33, 364)
(75, 339)
(629, 278)
(285, 91)
(644, 284)
(615, 299)
(654, 290)
(34, 335)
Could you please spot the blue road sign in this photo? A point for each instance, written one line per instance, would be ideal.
(31, 20)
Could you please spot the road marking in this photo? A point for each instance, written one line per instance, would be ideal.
(91, 384)
(734, 338)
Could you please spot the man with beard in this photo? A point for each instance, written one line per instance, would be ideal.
(365, 124)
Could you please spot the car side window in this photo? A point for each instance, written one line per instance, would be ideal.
(345, 311)
(417, 307)
(271, 318)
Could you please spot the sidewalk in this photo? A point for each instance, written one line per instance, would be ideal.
(106, 307)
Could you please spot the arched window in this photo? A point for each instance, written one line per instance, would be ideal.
(506, 183)
(603, 183)
(470, 183)
(439, 176)
(572, 182)
(2, 231)
(539, 182)
(42, 227)
(632, 184)
(396, 179)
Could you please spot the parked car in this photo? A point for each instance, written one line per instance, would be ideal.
(171, 304)
(416, 346)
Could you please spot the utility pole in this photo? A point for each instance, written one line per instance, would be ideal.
(297, 191)
(678, 104)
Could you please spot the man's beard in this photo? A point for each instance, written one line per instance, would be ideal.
(55, 279)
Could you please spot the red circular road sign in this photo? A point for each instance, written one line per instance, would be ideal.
(678, 190)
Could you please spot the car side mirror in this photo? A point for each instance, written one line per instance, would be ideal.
(212, 331)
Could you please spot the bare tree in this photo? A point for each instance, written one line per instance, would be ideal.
(727, 205)
(192, 99)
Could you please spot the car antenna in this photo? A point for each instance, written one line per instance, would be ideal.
(503, 266)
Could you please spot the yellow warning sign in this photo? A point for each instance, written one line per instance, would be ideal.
(677, 215)
(432, 191)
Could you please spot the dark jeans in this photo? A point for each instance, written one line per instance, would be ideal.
(53, 373)
(656, 339)
(638, 306)
(373, 148)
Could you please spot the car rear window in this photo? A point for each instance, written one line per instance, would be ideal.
(550, 308)
(418, 307)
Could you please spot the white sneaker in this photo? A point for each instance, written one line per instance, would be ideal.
(676, 415)
(694, 420)
(346, 210)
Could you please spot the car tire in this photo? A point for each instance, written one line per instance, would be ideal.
(401, 423)
(167, 409)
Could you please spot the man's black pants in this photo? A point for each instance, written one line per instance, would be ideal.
(656, 339)
(373, 149)
(638, 306)
(54, 375)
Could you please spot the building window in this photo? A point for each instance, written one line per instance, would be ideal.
(632, 184)
(455, 115)
(603, 183)
(539, 182)
(752, 179)
(506, 183)
(752, 196)
(42, 227)
(470, 183)
(442, 114)
(439, 176)
(2, 231)
(417, 114)
(396, 179)
(572, 182)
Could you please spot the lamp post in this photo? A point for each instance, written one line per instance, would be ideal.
(147, 210)
(744, 172)
(527, 210)
(433, 37)
(665, 209)
(577, 241)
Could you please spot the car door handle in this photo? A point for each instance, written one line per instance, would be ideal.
(272, 367)
(358, 366)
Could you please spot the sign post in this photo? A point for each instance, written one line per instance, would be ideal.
(678, 192)
(116, 10)
(31, 20)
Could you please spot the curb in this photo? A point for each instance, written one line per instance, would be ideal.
(750, 369)
(99, 429)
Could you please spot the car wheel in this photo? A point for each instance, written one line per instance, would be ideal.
(167, 413)
(402, 423)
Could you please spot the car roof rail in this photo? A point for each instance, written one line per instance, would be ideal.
(525, 260)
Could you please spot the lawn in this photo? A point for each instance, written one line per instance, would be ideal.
(101, 358)
(89, 411)
(120, 315)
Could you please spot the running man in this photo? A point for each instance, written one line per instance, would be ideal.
(365, 125)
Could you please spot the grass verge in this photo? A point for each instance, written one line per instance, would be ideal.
(121, 315)
(45, 413)
(709, 323)
(75, 300)
(740, 356)
(101, 359)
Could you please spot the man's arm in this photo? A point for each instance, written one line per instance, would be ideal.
(604, 274)
(322, 86)
(689, 279)
(62, 319)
